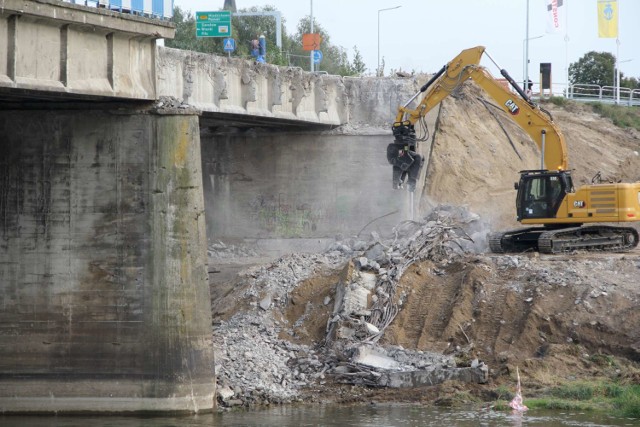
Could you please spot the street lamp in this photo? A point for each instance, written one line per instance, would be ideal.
(525, 53)
(616, 77)
(311, 24)
(381, 10)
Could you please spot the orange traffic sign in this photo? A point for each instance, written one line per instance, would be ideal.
(311, 41)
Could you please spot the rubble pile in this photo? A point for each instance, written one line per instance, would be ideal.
(438, 238)
(222, 251)
(255, 365)
(366, 302)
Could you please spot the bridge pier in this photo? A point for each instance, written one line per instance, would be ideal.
(104, 298)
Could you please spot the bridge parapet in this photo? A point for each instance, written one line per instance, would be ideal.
(50, 47)
(238, 88)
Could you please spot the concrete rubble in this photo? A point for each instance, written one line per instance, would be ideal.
(367, 303)
(255, 365)
(222, 251)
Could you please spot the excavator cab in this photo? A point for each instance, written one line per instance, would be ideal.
(540, 193)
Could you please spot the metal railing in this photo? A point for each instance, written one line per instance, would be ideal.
(159, 9)
(606, 94)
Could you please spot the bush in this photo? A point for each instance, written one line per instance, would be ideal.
(628, 402)
(560, 101)
(576, 391)
(624, 117)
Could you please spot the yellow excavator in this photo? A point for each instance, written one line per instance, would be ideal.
(566, 218)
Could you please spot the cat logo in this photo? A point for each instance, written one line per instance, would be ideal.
(579, 204)
(512, 107)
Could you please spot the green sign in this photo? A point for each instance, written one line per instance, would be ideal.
(213, 24)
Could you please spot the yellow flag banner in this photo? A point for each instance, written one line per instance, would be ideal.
(608, 18)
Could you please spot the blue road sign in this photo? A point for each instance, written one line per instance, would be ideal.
(229, 45)
(317, 56)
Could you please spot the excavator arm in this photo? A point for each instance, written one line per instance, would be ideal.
(528, 115)
(546, 196)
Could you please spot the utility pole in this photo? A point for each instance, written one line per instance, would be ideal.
(311, 52)
(230, 5)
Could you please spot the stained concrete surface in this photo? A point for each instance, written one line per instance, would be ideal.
(103, 281)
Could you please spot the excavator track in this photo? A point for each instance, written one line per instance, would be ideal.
(518, 240)
(591, 238)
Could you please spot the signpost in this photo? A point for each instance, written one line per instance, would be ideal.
(213, 24)
(229, 45)
(317, 56)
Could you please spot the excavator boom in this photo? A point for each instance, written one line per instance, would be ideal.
(531, 118)
(546, 196)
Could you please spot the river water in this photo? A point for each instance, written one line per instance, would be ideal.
(330, 416)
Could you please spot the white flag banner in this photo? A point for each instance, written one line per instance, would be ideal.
(555, 15)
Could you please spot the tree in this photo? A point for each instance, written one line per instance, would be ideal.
(244, 29)
(598, 68)
(593, 68)
(358, 66)
(334, 58)
(247, 28)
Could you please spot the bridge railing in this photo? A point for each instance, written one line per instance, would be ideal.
(606, 94)
(159, 9)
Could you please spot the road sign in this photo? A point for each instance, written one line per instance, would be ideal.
(229, 45)
(311, 41)
(317, 56)
(213, 24)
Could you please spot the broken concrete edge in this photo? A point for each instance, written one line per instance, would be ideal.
(417, 378)
(219, 84)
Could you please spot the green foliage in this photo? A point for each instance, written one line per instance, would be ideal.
(334, 58)
(612, 397)
(560, 101)
(622, 116)
(358, 67)
(247, 28)
(598, 68)
(243, 28)
(593, 68)
(559, 404)
(574, 391)
(504, 393)
(628, 401)
(603, 360)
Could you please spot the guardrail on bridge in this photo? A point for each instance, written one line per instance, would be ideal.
(607, 94)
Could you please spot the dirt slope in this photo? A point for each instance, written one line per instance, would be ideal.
(474, 164)
(515, 308)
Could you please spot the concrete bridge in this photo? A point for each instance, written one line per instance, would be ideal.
(119, 160)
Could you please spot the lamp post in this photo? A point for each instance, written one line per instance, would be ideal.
(381, 10)
(311, 23)
(525, 50)
(616, 77)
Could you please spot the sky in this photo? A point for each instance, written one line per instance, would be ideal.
(423, 35)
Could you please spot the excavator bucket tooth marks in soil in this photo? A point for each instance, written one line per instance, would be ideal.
(594, 238)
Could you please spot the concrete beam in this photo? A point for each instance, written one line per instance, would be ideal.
(219, 85)
(51, 46)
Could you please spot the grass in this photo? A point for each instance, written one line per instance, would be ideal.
(628, 402)
(616, 398)
(560, 101)
(622, 116)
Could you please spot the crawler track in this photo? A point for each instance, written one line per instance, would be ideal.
(601, 238)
